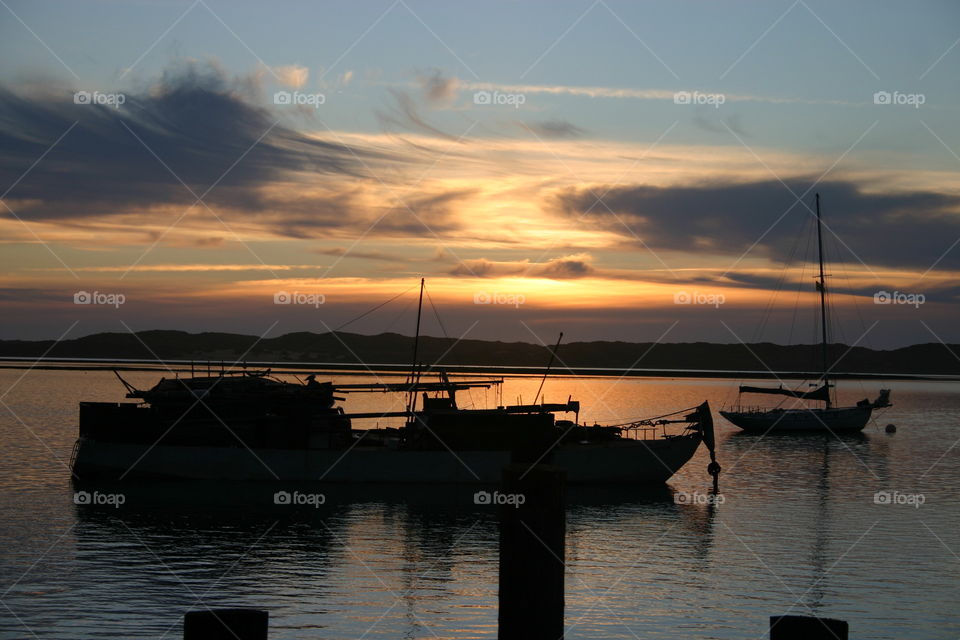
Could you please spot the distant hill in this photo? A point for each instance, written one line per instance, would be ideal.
(391, 348)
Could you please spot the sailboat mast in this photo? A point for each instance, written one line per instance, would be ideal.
(416, 336)
(411, 403)
(822, 286)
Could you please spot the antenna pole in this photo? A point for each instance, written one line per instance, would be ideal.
(822, 287)
(553, 354)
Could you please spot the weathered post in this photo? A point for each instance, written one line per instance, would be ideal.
(532, 546)
(807, 628)
(226, 624)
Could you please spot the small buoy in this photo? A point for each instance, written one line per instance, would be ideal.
(891, 428)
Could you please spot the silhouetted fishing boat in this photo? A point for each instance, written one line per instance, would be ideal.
(252, 425)
(827, 418)
(248, 426)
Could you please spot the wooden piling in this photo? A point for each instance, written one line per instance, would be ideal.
(225, 624)
(807, 628)
(532, 546)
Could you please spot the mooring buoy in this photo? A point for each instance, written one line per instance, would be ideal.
(891, 428)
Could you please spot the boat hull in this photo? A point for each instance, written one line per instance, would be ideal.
(621, 461)
(843, 419)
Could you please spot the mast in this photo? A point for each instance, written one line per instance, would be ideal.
(822, 287)
(546, 372)
(416, 343)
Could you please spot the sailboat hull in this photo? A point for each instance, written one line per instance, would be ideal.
(841, 419)
(623, 461)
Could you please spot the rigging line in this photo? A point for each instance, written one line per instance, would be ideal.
(856, 307)
(369, 311)
(781, 281)
(436, 314)
(396, 318)
(768, 309)
(805, 260)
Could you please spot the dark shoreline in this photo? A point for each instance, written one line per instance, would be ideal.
(293, 368)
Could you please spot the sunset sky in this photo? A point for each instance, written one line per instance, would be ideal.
(614, 170)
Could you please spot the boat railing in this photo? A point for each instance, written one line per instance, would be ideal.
(656, 428)
(643, 432)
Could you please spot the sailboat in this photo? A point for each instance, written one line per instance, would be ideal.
(828, 417)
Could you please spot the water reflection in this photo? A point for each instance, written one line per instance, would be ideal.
(368, 558)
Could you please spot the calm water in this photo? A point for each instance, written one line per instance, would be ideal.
(798, 532)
